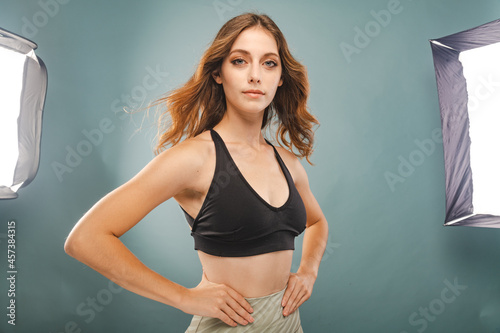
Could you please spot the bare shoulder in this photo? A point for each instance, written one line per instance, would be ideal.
(193, 150)
(177, 168)
(294, 165)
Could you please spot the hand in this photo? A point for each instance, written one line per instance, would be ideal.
(218, 301)
(298, 290)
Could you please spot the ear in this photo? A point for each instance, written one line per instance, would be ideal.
(216, 76)
(281, 82)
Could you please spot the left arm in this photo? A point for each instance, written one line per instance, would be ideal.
(300, 284)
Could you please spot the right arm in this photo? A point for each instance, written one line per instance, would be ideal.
(94, 240)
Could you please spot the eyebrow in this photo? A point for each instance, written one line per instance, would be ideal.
(246, 52)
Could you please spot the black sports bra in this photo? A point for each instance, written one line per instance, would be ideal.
(234, 221)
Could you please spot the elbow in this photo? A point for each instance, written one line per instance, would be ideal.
(73, 245)
(69, 246)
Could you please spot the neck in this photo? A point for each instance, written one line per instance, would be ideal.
(242, 129)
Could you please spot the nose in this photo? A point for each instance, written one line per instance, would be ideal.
(254, 73)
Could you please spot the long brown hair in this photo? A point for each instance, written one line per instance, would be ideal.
(200, 104)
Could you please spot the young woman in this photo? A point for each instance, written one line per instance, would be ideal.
(245, 200)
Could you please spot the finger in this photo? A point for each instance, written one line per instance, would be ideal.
(288, 292)
(240, 310)
(295, 296)
(225, 318)
(303, 296)
(240, 300)
(233, 315)
(301, 301)
(294, 305)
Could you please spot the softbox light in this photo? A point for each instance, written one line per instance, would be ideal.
(23, 84)
(467, 67)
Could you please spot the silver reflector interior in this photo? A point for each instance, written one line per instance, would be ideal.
(11, 83)
(481, 68)
(468, 82)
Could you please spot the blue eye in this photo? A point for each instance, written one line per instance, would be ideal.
(238, 61)
(271, 63)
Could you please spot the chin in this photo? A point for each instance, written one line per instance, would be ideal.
(259, 110)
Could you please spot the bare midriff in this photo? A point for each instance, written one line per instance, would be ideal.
(253, 276)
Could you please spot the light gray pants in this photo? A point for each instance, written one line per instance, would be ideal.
(267, 314)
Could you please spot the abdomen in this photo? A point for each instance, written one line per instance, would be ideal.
(253, 276)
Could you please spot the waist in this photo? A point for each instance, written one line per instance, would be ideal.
(268, 315)
(252, 276)
(275, 295)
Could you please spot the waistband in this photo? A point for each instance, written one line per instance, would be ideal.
(268, 315)
(273, 295)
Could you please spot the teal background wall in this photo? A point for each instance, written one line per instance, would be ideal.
(390, 265)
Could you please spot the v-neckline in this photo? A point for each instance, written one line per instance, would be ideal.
(282, 167)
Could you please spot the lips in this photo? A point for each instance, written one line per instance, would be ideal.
(253, 93)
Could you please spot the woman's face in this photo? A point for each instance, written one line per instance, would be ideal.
(251, 73)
